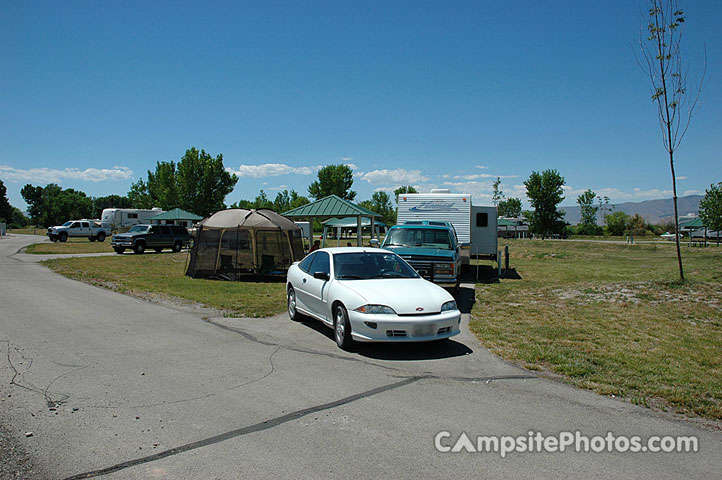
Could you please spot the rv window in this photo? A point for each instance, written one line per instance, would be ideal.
(132, 215)
(482, 219)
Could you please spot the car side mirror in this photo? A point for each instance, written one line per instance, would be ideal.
(321, 275)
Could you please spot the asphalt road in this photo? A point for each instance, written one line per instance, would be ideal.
(121, 387)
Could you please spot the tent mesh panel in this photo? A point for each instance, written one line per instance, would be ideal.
(227, 253)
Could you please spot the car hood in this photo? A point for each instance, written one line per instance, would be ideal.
(422, 252)
(404, 295)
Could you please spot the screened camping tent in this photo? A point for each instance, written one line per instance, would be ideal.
(234, 243)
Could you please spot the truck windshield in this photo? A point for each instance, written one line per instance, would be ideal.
(138, 229)
(67, 224)
(419, 237)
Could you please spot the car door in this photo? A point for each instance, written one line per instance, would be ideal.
(316, 289)
(85, 229)
(155, 237)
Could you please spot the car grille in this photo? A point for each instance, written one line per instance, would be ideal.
(423, 268)
(395, 333)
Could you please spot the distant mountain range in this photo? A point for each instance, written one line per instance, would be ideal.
(653, 211)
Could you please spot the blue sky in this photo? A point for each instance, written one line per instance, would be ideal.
(431, 94)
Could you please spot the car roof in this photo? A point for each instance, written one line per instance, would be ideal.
(426, 224)
(339, 250)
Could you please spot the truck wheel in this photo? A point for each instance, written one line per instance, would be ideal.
(63, 237)
(101, 237)
(177, 246)
(139, 247)
(119, 250)
(92, 239)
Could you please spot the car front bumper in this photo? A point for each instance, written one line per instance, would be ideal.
(394, 328)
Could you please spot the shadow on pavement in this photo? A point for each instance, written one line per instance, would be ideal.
(397, 351)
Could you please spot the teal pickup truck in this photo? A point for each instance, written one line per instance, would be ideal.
(431, 247)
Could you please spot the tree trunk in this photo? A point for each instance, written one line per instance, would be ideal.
(676, 215)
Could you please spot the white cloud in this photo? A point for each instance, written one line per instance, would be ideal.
(272, 170)
(52, 175)
(477, 176)
(483, 167)
(680, 178)
(691, 192)
(390, 177)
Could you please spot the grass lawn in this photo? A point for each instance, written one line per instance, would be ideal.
(73, 245)
(164, 275)
(612, 318)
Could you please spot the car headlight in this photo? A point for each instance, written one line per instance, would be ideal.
(375, 309)
(448, 306)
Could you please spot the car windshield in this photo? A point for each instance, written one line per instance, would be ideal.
(138, 229)
(67, 224)
(419, 237)
(368, 265)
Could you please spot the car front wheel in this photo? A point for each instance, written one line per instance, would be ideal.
(292, 312)
(177, 246)
(342, 327)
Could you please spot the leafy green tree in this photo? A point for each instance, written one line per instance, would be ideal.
(661, 60)
(510, 208)
(588, 224)
(139, 195)
(545, 192)
(163, 186)
(617, 223)
(52, 205)
(381, 203)
(286, 201)
(402, 190)
(203, 182)
(710, 208)
(6, 210)
(333, 180)
(17, 219)
(199, 183)
(636, 226)
(262, 201)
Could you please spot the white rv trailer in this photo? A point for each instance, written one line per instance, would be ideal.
(475, 225)
(124, 218)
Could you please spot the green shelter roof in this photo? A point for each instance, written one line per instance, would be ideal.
(695, 223)
(350, 222)
(503, 222)
(331, 206)
(176, 214)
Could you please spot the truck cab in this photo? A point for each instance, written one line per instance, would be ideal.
(431, 247)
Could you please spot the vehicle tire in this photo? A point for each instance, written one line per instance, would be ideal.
(177, 246)
(63, 237)
(341, 328)
(119, 250)
(101, 237)
(92, 239)
(139, 248)
(291, 304)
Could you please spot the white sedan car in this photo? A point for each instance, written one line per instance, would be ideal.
(370, 295)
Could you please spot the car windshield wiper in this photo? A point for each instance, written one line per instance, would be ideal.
(349, 277)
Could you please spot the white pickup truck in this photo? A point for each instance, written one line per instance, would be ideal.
(92, 229)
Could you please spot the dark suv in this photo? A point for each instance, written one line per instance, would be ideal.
(157, 237)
